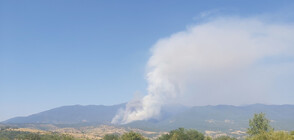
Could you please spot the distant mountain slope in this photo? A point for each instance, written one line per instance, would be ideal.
(71, 115)
(220, 117)
(224, 117)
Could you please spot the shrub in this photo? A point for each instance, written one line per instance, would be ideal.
(225, 138)
(273, 135)
(132, 136)
(182, 134)
(111, 137)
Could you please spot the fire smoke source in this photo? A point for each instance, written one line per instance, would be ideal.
(224, 61)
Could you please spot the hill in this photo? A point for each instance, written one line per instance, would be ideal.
(98, 114)
(224, 118)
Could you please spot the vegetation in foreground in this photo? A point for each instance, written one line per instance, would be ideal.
(182, 133)
(20, 135)
(259, 129)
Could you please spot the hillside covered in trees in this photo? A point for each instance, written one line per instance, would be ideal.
(259, 129)
(212, 118)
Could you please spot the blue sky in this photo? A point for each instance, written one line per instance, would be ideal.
(65, 52)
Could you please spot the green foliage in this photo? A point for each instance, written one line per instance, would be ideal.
(259, 124)
(225, 138)
(19, 135)
(111, 137)
(292, 133)
(273, 135)
(132, 136)
(182, 134)
(208, 138)
(261, 130)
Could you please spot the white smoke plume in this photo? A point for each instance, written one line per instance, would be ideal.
(223, 61)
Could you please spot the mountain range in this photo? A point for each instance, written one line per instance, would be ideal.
(214, 118)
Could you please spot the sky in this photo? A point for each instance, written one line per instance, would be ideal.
(66, 52)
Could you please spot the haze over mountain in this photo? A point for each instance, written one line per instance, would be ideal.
(71, 114)
(220, 117)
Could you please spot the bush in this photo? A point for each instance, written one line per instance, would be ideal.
(182, 134)
(225, 138)
(111, 137)
(19, 135)
(273, 135)
(132, 136)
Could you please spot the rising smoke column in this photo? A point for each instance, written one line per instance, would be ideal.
(224, 61)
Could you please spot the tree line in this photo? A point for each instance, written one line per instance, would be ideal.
(259, 129)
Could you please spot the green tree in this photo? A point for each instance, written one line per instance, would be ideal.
(111, 137)
(259, 124)
(182, 134)
(208, 138)
(225, 138)
(132, 136)
(194, 135)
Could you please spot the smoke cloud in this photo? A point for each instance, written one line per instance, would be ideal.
(223, 61)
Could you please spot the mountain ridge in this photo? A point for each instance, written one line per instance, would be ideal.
(218, 117)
